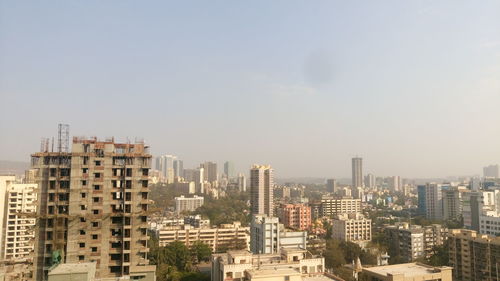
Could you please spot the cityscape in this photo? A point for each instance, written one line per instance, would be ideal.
(249, 141)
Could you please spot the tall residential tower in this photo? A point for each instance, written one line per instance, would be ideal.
(261, 190)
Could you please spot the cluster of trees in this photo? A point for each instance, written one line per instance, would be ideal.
(175, 261)
(163, 196)
(339, 253)
(227, 209)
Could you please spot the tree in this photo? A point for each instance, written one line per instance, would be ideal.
(177, 254)
(441, 255)
(351, 251)
(200, 251)
(333, 255)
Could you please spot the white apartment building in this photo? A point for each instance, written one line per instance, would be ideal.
(352, 227)
(215, 237)
(188, 203)
(268, 236)
(17, 202)
(289, 264)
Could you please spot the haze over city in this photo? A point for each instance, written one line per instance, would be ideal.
(413, 87)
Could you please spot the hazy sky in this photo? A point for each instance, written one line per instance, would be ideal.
(411, 86)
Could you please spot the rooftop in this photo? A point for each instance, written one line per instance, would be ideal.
(67, 268)
(405, 269)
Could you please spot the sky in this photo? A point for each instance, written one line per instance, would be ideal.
(413, 87)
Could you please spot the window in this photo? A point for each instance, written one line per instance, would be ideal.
(81, 258)
(82, 232)
(83, 219)
(97, 187)
(94, 249)
(94, 236)
(95, 212)
(82, 245)
(95, 199)
(83, 194)
(95, 224)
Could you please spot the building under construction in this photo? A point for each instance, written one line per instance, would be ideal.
(93, 206)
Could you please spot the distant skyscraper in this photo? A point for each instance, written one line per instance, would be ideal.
(490, 171)
(242, 183)
(261, 186)
(210, 171)
(370, 181)
(165, 164)
(394, 183)
(229, 169)
(357, 172)
(430, 198)
(331, 185)
(178, 168)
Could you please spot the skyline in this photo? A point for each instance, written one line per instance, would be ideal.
(412, 88)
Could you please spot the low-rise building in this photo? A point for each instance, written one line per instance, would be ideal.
(331, 205)
(289, 264)
(187, 203)
(216, 237)
(407, 272)
(352, 227)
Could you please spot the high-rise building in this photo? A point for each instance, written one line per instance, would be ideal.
(331, 185)
(491, 171)
(165, 164)
(370, 181)
(210, 174)
(92, 207)
(394, 183)
(453, 202)
(261, 190)
(5, 183)
(229, 169)
(178, 168)
(19, 221)
(357, 172)
(296, 216)
(430, 195)
(242, 183)
(421, 199)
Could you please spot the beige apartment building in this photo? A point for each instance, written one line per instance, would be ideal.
(474, 256)
(261, 190)
(289, 264)
(331, 205)
(352, 227)
(215, 237)
(407, 272)
(93, 207)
